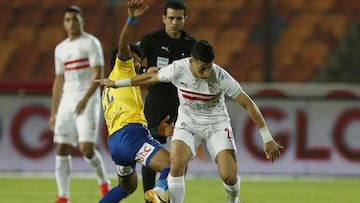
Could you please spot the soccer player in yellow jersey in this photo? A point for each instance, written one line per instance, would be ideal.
(129, 139)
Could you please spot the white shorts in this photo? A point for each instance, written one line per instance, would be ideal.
(217, 137)
(71, 128)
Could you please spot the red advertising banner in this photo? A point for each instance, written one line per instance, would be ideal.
(320, 133)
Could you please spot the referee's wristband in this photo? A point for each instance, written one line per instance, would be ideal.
(265, 134)
(131, 20)
(123, 83)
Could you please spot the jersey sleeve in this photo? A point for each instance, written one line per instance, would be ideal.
(59, 66)
(229, 85)
(96, 56)
(168, 73)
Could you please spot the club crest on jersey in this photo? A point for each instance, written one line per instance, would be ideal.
(144, 153)
(213, 87)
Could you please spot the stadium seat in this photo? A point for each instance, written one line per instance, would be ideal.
(22, 63)
(45, 70)
(245, 65)
(218, 19)
(7, 49)
(347, 6)
(56, 3)
(94, 17)
(6, 13)
(22, 3)
(208, 33)
(21, 34)
(245, 19)
(315, 52)
(29, 16)
(230, 42)
(54, 16)
(87, 2)
(230, 5)
(319, 5)
(335, 23)
(49, 36)
(286, 5)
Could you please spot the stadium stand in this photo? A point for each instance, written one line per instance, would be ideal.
(307, 35)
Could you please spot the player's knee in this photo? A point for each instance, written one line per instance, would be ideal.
(177, 170)
(230, 179)
(64, 149)
(87, 151)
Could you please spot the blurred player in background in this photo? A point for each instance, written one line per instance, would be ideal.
(203, 117)
(161, 48)
(129, 139)
(76, 102)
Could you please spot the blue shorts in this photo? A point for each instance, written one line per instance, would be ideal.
(133, 143)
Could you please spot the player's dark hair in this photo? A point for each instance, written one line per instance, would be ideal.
(203, 51)
(176, 5)
(133, 48)
(74, 8)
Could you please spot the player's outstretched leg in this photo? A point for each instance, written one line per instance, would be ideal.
(157, 194)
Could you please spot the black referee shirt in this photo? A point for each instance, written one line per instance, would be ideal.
(161, 50)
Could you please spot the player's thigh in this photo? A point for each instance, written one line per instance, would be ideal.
(87, 125)
(185, 141)
(160, 160)
(219, 139)
(183, 149)
(65, 128)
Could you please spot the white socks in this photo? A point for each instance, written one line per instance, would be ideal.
(176, 189)
(98, 164)
(62, 174)
(233, 191)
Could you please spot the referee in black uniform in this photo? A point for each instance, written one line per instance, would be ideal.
(160, 49)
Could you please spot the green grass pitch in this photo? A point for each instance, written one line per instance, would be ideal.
(198, 190)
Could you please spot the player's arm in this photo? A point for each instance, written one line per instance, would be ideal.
(56, 96)
(271, 148)
(135, 10)
(82, 104)
(142, 79)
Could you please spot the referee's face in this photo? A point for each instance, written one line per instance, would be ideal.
(174, 22)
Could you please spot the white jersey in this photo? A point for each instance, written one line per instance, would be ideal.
(75, 60)
(202, 101)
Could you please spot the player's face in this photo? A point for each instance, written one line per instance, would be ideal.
(73, 24)
(174, 22)
(200, 69)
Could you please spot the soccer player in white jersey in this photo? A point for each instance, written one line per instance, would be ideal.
(203, 117)
(76, 102)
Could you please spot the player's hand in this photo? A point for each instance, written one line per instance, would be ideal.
(272, 150)
(166, 129)
(51, 123)
(152, 69)
(80, 107)
(136, 8)
(106, 82)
